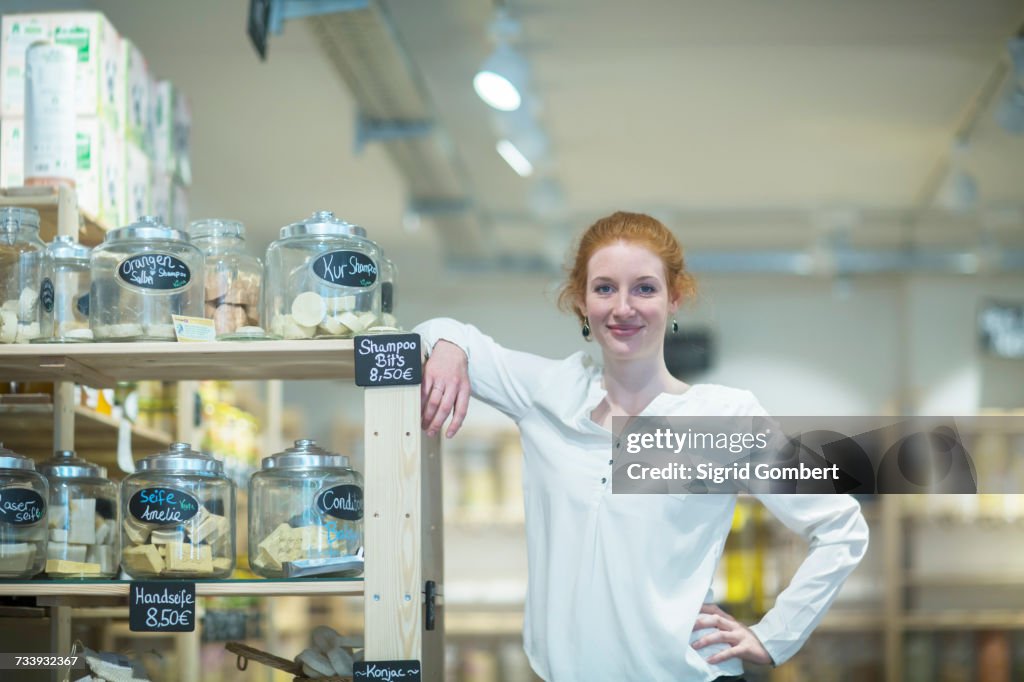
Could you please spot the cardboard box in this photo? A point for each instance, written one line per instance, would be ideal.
(138, 98)
(182, 138)
(137, 179)
(99, 173)
(172, 126)
(17, 32)
(163, 128)
(12, 152)
(99, 75)
(179, 206)
(161, 185)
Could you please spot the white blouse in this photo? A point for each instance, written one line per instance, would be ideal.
(616, 581)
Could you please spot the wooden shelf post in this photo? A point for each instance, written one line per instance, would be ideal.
(402, 521)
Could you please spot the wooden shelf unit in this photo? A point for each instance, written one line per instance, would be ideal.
(50, 202)
(28, 430)
(76, 589)
(102, 365)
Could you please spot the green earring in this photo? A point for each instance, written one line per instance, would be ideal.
(586, 328)
(675, 326)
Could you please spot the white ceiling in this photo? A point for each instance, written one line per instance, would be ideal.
(742, 122)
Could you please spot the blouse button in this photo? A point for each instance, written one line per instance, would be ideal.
(611, 461)
(604, 480)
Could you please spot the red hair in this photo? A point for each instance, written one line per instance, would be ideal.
(635, 228)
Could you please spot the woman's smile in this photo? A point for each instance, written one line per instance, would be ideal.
(624, 331)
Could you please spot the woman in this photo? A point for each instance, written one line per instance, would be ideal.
(618, 583)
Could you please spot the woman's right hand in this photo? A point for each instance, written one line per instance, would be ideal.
(445, 388)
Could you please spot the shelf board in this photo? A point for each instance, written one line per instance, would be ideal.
(964, 620)
(483, 623)
(104, 364)
(963, 581)
(207, 588)
(28, 430)
(837, 621)
(46, 200)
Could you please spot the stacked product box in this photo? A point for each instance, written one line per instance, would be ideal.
(124, 168)
(171, 170)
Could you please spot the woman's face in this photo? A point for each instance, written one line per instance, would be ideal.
(627, 300)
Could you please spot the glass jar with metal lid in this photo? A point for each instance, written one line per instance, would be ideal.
(305, 514)
(64, 295)
(178, 514)
(322, 280)
(21, 273)
(233, 277)
(83, 519)
(23, 496)
(143, 274)
(387, 323)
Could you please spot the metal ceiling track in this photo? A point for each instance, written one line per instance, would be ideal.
(359, 40)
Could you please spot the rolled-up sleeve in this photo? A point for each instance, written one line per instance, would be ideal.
(838, 536)
(503, 378)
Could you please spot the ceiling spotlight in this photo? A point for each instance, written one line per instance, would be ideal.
(515, 158)
(501, 80)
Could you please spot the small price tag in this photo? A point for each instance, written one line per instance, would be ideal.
(388, 360)
(407, 671)
(155, 606)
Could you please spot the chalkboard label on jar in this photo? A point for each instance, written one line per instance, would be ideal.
(346, 269)
(46, 295)
(159, 271)
(388, 360)
(21, 506)
(343, 502)
(406, 671)
(82, 305)
(162, 506)
(155, 606)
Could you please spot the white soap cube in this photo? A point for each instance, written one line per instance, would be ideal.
(82, 525)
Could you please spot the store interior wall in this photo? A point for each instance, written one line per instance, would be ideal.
(801, 345)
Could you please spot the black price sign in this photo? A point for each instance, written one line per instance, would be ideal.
(46, 295)
(407, 671)
(162, 607)
(388, 360)
(346, 269)
(21, 506)
(162, 506)
(82, 304)
(343, 502)
(159, 271)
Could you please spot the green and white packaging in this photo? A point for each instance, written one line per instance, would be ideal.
(99, 75)
(138, 97)
(136, 174)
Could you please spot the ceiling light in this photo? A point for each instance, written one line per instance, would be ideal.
(513, 157)
(501, 80)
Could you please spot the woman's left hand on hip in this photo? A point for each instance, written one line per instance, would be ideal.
(743, 643)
